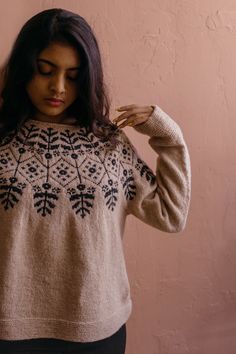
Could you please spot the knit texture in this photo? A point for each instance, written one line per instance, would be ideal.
(64, 199)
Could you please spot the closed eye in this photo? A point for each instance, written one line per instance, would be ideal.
(49, 73)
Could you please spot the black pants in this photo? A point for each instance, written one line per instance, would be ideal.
(114, 344)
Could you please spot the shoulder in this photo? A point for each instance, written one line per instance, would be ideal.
(125, 143)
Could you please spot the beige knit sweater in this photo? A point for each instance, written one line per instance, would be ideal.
(64, 199)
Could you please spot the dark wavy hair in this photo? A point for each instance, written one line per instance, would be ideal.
(92, 106)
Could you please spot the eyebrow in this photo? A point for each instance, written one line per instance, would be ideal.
(54, 65)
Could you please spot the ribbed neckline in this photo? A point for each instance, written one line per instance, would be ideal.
(52, 124)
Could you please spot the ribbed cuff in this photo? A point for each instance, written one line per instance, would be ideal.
(160, 124)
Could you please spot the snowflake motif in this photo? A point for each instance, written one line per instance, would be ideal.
(56, 153)
(40, 151)
(31, 149)
(15, 144)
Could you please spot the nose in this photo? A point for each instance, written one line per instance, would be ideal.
(57, 84)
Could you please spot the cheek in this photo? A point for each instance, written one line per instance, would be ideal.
(74, 91)
(29, 89)
(33, 87)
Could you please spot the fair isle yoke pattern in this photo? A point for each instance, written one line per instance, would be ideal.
(74, 161)
(64, 199)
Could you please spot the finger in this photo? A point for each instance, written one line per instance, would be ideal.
(135, 107)
(122, 125)
(125, 115)
(134, 112)
(134, 122)
(122, 108)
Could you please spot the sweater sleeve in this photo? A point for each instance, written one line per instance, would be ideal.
(162, 199)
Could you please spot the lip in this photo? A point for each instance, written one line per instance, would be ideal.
(54, 102)
(54, 99)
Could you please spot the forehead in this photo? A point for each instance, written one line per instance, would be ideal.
(62, 54)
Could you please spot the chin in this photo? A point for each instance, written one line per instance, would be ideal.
(54, 111)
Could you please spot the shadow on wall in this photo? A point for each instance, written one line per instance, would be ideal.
(214, 330)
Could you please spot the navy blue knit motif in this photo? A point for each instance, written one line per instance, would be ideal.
(75, 163)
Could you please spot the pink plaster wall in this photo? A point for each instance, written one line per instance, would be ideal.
(181, 55)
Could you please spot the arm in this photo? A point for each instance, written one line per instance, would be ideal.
(161, 200)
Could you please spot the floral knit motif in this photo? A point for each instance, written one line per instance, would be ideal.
(77, 162)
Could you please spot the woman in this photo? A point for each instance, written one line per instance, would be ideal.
(69, 177)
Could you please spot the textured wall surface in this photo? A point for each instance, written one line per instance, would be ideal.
(179, 54)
